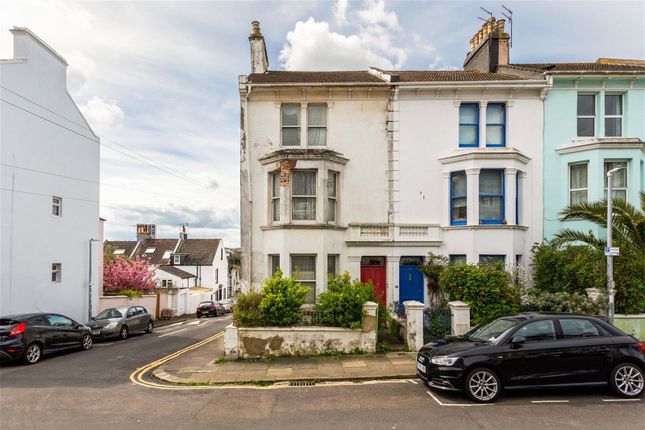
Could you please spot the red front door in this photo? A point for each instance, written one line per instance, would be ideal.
(375, 275)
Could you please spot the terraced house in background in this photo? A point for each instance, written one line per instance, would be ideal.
(368, 171)
(594, 121)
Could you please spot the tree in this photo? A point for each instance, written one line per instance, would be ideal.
(123, 274)
(628, 226)
(432, 269)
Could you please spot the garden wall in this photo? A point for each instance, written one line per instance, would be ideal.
(631, 324)
(147, 301)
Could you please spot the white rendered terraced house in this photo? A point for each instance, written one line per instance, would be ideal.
(368, 171)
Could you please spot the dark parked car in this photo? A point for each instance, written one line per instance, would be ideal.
(30, 336)
(120, 322)
(210, 309)
(535, 350)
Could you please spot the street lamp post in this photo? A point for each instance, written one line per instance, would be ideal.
(610, 257)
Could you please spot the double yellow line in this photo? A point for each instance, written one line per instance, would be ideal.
(137, 376)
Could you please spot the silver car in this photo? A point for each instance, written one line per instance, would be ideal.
(120, 322)
(226, 304)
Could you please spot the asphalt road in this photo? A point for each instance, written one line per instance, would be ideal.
(92, 390)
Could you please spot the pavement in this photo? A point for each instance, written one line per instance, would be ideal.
(201, 366)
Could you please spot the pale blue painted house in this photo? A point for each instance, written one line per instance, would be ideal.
(594, 120)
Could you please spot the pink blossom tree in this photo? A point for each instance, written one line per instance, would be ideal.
(127, 274)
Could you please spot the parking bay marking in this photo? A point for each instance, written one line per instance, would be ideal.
(193, 323)
(549, 401)
(621, 400)
(173, 332)
(440, 403)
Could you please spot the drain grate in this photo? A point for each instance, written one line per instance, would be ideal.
(301, 383)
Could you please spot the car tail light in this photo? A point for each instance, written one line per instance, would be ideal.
(19, 329)
(641, 346)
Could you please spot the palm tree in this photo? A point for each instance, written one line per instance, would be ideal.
(628, 223)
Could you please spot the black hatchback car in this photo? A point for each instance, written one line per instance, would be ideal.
(534, 350)
(30, 336)
(210, 308)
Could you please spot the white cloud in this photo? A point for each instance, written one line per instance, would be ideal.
(312, 45)
(79, 73)
(102, 114)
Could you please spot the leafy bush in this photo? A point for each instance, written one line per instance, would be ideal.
(342, 304)
(486, 288)
(128, 293)
(577, 303)
(629, 276)
(247, 312)
(432, 269)
(571, 269)
(389, 329)
(282, 300)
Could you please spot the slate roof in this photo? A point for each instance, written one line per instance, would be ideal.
(200, 251)
(451, 76)
(160, 246)
(330, 77)
(127, 245)
(182, 274)
(364, 77)
(598, 66)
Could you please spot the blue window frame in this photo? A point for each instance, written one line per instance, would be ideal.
(496, 125)
(468, 125)
(491, 197)
(492, 259)
(458, 200)
(458, 259)
(517, 199)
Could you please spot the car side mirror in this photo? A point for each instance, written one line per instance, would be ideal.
(518, 341)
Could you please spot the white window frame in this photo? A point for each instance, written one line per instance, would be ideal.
(614, 188)
(119, 251)
(586, 189)
(318, 126)
(57, 272)
(176, 260)
(621, 116)
(167, 283)
(595, 110)
(298, 126)
(332, 199)
(314, 196)
(274, 200)
(57, 206)
(297, 274)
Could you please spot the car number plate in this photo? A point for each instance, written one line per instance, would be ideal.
(421, 367)
(96, 331)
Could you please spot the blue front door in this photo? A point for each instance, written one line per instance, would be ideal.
(410, 280)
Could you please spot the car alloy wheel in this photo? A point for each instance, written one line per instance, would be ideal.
(482, 385)
(149, 327)
(86, 343)
(32, 353)
(628, 380)
(123, 333)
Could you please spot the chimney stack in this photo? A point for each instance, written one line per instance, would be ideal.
(183, 232)
(259, 57)
(146, 231)
(489, 47)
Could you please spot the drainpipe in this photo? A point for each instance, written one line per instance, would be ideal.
(89, 307)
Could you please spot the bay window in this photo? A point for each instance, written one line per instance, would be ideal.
(458, 198)
(332, 182)
(303, 195)
(619, 179)
(578, 185)
(275, 196)
(491, 197)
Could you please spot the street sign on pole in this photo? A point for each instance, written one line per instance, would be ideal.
(613, 251)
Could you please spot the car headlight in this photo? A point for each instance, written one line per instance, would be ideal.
(111, 325)
(444, 361)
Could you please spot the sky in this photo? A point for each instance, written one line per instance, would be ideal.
(157, 80)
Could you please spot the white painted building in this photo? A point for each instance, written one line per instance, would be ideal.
(352, 171)
(50, 164)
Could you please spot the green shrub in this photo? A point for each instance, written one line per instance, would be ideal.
(342, 304)
(247, 312)
(432, 269)
(128, 293)
(577, 303)
(282, 300)
(571, 269)
(629, 276)
(389, 329)
(486, 288)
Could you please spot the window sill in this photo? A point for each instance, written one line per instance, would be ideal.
(312, 226)
(486, 227)
(300, 153)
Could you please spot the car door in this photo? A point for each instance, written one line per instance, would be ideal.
(587, 350)
(132, 319)
(537, 361)
(64, 332)
(39, 329)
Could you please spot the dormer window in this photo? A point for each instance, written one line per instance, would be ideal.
(120, 251)
(166, 255)
(150, 250)
(176, 259)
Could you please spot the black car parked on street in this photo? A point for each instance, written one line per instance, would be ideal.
(535, 350)
(30, 336)
(210, 308)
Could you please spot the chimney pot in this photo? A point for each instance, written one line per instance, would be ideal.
(259, 57)
(255, 29)
(500, 26)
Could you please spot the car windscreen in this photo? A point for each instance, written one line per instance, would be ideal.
(112, 313)
(492, 331)
(206, 304)
(7, 321)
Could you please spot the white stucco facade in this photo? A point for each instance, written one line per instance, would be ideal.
(47, 150)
